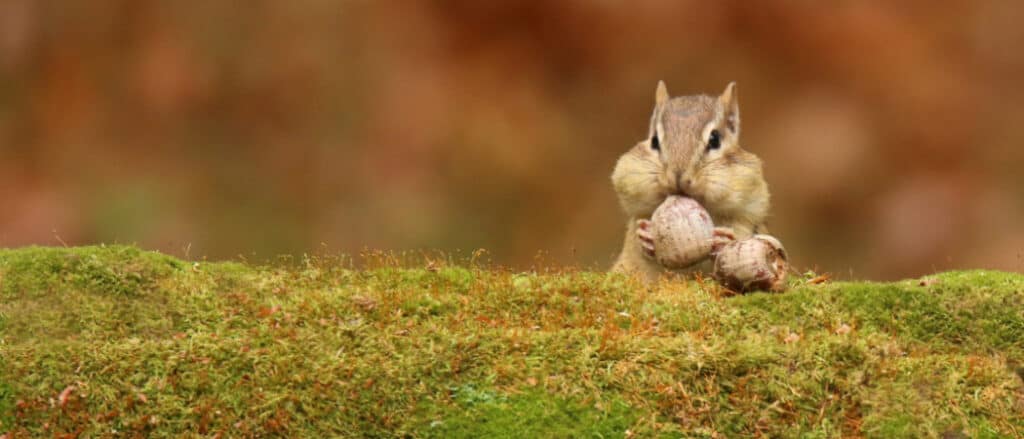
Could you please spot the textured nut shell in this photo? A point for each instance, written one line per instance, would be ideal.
(682, 232)
(755, 263)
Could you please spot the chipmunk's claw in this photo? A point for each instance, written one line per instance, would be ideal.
(720, 237)
(643, 231)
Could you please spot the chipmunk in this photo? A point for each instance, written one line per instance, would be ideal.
(692, 149)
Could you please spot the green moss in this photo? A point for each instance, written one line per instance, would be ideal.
(485, 413)
(7, 406)
(118, 270)
(150, 345)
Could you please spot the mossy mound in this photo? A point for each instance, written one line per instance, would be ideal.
(113, 340)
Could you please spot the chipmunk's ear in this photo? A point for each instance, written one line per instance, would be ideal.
(729, 105)
(661, 94)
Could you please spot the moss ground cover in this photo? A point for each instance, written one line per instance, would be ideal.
(116, 341)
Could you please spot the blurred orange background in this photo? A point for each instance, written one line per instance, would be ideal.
(892, 132)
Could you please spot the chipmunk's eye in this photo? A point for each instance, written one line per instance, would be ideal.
(655, 144)
(714, 141)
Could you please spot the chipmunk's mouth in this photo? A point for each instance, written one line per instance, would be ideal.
(678, 191)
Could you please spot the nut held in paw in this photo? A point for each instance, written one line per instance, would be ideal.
(755, 263)
(682, 232)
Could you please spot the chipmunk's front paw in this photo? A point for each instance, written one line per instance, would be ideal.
(720, 237)
(643, 232)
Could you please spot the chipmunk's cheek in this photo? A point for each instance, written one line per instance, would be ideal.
(712, 193)
(658, 196)
(640, 197)
(701, 192)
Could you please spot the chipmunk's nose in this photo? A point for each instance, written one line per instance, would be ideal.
(683, 184)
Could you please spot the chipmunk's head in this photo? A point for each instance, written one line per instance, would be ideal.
(692, 149)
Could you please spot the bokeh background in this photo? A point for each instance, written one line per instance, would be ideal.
(892, 132)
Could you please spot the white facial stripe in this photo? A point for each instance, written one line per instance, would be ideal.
(706, 133)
